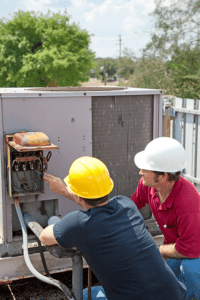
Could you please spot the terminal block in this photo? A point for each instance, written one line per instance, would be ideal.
(26, 162)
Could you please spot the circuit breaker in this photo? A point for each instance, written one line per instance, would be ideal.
(26, 162)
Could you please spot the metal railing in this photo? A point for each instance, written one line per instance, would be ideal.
(181, 120)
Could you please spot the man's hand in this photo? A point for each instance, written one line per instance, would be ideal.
(169, 251)
(56, 185)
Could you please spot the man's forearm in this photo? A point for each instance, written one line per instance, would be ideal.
(59, 187)
(169, 251)
(66, 193)
(72, 197)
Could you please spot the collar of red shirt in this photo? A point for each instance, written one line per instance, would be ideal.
(170, 199)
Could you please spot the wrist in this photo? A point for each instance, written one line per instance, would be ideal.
(65, 192)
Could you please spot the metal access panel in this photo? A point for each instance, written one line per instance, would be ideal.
(121, 127)
(68, 124)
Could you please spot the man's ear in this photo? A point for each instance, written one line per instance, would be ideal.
(165, 176)
(80, 199)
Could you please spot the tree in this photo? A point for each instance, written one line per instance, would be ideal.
(107, 65)
(36, 49)
(179, 76)
(176, 23)
(126, 64)
(176, 42)
(150, 73)
(184, 72)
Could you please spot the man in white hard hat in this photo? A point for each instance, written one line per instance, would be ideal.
(112, 237)
(175, 204)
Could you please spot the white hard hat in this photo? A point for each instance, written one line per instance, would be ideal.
(163, 155)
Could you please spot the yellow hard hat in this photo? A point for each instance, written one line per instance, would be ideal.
(89, 178)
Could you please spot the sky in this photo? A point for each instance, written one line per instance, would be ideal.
(105, 20)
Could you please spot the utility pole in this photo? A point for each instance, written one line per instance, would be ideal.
(120, 48)
(120, 44)
(104, 72)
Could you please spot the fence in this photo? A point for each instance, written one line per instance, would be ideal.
(182, 122)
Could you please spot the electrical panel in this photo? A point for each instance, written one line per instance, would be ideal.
(26, 163)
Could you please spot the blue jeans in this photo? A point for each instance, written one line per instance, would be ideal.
(187, 270)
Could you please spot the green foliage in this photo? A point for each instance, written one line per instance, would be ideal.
(126, 64)
(114, 67)
(179, 76)
(106, 65)
(149, 73)
(176, 24)
(171, 61)
(184, 72)
(36, 49)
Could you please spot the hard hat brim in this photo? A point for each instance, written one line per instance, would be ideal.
(140, 161)
(66, 181)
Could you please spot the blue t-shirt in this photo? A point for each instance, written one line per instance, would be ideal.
(121, 252)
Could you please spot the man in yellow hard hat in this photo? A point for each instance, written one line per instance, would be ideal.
(175, 204)
(112, 237)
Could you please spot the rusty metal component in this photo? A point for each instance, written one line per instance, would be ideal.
(5, 282)
(49, 156)
(8, 138)
(32, 147)
(25, 159)
(27, 149)
(31, 139)
(45, 164)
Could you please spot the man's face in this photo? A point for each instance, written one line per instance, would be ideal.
(148, 178)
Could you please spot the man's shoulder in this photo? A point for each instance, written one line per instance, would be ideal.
(187, 198)
(70, 218)
(119, 198)
(185, 186)
(122, 201)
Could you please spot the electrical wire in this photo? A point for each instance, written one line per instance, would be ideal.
(49, 280)
(14, 185)
(33, 179)
(27, 187)
(43, 258)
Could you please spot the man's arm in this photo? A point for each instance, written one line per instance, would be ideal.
(139, 197)
(169, 251)
(59, 187)
(47, 236)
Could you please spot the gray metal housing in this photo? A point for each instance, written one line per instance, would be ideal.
(112, 125)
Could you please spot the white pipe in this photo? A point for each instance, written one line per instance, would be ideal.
(26, 256)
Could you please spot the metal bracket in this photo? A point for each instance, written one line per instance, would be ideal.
(171, 112)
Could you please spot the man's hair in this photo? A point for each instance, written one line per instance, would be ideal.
(97, 201)
(171, 177)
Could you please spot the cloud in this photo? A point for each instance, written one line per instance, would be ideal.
(107, 19)
(118, 15)
(44, 5)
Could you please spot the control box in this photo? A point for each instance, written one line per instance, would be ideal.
(26, 163)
